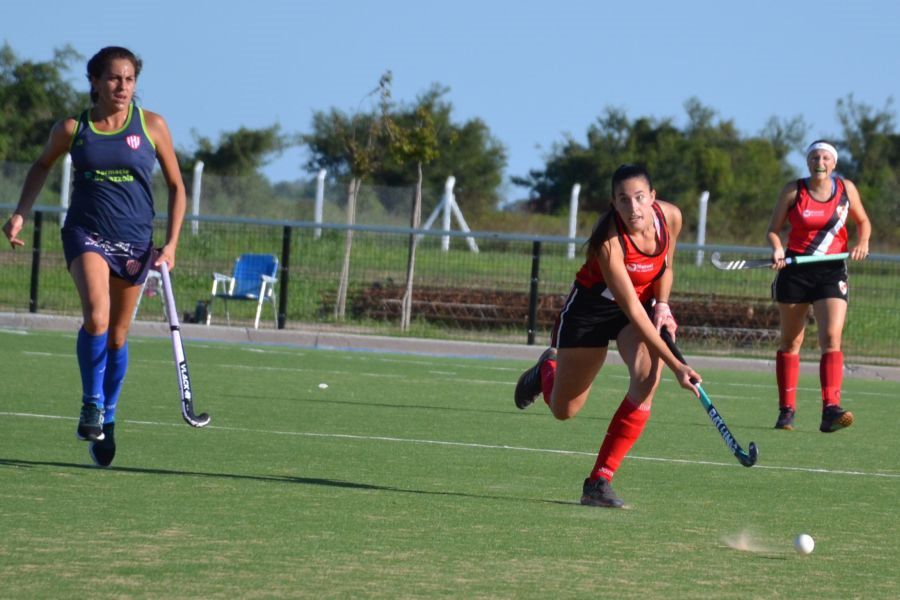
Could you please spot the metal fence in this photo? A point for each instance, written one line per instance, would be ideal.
(509, 290)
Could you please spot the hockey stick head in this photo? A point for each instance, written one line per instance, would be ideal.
(201, 420)
(733, 265)
(716, 259)
(748, 459)
(187, 396)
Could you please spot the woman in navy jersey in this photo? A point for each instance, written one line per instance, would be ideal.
(621, 293)
(107, 235)
(816, 208)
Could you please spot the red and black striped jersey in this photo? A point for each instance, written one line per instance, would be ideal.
(819, 227)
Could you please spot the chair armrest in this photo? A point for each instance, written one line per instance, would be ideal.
(269, 279)
(218, 278)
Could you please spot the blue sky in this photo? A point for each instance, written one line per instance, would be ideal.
(533, 71)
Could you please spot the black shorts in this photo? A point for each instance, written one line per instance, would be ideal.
(588, 319)
(801, 284)
(126, 260)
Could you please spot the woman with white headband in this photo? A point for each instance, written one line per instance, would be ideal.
(816, 208)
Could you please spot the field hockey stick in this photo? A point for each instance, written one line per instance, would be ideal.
(748, 459)
(181, 367)
(734, 265)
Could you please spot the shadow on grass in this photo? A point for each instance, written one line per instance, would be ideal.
(334, 483)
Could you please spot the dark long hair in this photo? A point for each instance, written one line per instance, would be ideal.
(599, 233)
(98, 63)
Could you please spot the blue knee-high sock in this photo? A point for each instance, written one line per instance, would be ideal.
(91, 352)
(116, 366)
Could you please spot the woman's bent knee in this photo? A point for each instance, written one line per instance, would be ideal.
(564, 411)
(562, 414)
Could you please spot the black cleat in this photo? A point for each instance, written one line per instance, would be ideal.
(90, 424)
(600, 493)
(834, 418)
(103, 452)
(785, 419)
(529, 387)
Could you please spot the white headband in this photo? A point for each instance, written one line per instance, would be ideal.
(823, 146)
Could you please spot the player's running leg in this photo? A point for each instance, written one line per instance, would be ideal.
(90, 273)
(628, 421)
(830, 314)
(91, 352)
(123, 297)
(787, 374)
(787, 361)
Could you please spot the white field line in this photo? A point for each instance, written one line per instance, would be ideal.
(391, 439)
(459, 376)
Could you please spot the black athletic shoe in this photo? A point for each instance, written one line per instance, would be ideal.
(529, 387)
(834, 418)
(103, 452)
(90, 425)
(785, 419)
(600, 493)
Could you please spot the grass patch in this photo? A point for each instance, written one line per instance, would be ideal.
(412, 476)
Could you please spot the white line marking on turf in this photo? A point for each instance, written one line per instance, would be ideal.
(278, 352)
(463, 380)
(383, 438)
(14, 331)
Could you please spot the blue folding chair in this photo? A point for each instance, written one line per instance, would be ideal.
(253, 279)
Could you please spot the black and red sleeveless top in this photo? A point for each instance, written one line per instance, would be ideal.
(643, 269)
(819, 227)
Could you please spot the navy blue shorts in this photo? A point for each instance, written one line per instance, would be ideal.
(126, 260)
(802, 284)
(588, 319)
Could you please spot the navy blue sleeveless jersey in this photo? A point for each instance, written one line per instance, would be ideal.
(111, 194)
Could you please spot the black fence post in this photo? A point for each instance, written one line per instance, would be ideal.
(533, 292)
(285, 269)
(35, 262)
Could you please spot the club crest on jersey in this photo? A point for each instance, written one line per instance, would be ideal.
(133, 141)
(133, 266)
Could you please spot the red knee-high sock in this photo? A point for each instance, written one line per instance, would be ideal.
(787, 372)
(831, 376)
(548, 376)
(624, 430)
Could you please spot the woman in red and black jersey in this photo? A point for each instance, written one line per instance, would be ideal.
(817, 209)
(621, 293)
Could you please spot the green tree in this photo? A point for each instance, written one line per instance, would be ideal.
(414, 141)
(742, 174)
(238, 186)
(785, 135)
(468, 150)
(350, 146)
(241, 152)
(33, 96)
(870, 157)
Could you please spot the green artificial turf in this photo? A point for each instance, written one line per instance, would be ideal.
(415, 476)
